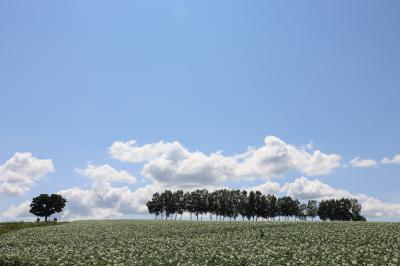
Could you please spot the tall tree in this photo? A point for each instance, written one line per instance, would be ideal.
(212, 204)
(251, 205)
(235, 203)
(323, 210)
(168, 203)
(286, 207)
(302, 212)
(342, 210)
(179, 202)
(273, 208)
(243, 201)
(197, 201)
(45, 205)
(294, 208)
(231, 203)
(312, 209)
(356, 211)
(264, 207)
(155, 205)
(258, 209)
(189, 203)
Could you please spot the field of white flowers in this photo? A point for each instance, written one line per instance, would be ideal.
(203, 243)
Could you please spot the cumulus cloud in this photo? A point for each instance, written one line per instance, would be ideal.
(106, 173)
(276, 158)
(362, 163)
(171, 163)
(103, 201)
(21, 172)
(394, 160)
(130, 152)
(373, 207)
(18, 212)
(304, 189)
(266, 188)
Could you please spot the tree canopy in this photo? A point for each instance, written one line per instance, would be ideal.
(45, 205)
(251, 205)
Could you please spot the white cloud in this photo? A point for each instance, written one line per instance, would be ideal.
(106, 173)
(130, 152)
(100, 201)
(21, 172)
(103, 201)
(171, 163)
(195, 169)
(266, 188)
(357, 162)
(372, 207)
(304, 189)
(394, 160)
(18, 212)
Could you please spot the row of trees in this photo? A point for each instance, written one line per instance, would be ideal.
(225, 203)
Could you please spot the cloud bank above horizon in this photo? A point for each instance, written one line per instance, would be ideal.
(170, 165)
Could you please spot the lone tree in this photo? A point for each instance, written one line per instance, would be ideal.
(45, 205)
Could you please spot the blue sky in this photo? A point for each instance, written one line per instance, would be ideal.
(76, 77)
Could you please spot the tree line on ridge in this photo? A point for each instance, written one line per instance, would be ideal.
(224, 203)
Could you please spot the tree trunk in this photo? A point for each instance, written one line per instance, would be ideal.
(45, 218)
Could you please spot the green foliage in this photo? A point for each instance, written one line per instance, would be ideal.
(45, 205)
(225, 203)
(340, 210)
(312, 208)
(204, 243)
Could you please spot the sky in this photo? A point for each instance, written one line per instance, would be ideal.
(108, 102)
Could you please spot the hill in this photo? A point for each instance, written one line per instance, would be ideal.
(203, 243)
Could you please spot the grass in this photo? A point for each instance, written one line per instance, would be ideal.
(12, 226)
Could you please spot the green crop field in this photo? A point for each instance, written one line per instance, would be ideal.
(203, 243)
(8, 227)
